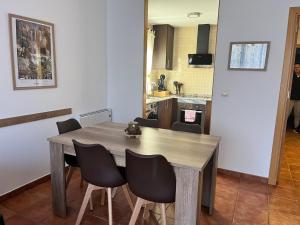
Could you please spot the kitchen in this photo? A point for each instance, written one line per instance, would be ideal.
(180, 62)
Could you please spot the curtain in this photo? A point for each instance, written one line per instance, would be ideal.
(150, 47)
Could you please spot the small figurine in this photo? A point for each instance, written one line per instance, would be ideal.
(161, 81)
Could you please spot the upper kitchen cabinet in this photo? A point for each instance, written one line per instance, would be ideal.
(163, 47)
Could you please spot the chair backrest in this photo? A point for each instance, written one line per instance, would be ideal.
(97, 165)
(147, 122)
(68, 126)
(150, 177)
(191, 128)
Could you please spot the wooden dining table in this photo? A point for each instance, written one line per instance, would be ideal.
(193, 156)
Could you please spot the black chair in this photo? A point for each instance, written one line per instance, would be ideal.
(1, 220)
(191, 128)
(152, 179)
(99, 169)
(64, 127)
(147, 122)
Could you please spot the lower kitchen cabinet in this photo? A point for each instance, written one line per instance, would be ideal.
(207, 117)
(167, 113)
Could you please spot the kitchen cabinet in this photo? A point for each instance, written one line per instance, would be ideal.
(167, 113)
(163, 47)
(207, 117)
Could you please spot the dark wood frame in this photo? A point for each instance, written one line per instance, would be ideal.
(285, 89)
(249, 42)
(13, 16)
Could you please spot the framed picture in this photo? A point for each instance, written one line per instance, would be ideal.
(32, 53)
(249, 55)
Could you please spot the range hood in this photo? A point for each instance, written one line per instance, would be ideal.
(202, 58)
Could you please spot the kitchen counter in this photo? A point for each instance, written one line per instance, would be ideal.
(194, 99)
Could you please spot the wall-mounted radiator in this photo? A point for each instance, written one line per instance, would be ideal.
(92, 118)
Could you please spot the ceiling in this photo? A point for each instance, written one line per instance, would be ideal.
(174, 12)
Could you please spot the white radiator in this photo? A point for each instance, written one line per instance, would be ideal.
(92, 118)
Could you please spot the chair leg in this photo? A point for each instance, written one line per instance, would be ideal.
(85, 201)
(136, 211)
(114, 192)
(163, 214)
(127, 196)
(110, 217)
(69, 175)
(91, 202)
(147, 208)
(146, 212)
(102, 196)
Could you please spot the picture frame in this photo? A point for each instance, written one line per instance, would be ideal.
(249, 55)
(32, 44)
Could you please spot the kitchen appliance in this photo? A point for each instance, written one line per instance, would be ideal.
(202, 58)
(178, 86)
(200, 112)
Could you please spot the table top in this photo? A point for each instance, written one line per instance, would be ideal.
(180, 148)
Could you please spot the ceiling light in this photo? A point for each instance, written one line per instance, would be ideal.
(193, 15)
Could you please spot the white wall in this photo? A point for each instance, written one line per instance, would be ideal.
(246, 118)
(80, 30)
(125, 41)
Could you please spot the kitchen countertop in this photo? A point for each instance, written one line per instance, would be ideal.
(194, 99)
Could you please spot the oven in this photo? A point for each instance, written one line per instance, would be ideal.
(198, 118)
(200, 113)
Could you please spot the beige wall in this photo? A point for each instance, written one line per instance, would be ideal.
(195, 80)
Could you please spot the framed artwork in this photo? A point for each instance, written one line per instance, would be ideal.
(249, 55)
(32, 53)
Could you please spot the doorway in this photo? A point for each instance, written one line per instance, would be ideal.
(173, 31)
(280, 142)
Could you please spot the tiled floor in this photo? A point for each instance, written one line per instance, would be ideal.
(238, 201)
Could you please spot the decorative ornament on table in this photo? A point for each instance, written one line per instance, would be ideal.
(133, 130)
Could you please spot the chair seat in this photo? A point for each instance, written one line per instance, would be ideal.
(71, 160)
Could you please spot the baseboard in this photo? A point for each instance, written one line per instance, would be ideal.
(245, 176)
(25, 187)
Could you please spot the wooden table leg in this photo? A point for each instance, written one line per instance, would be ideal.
(209, 182)
(187, 181)
(58, 180)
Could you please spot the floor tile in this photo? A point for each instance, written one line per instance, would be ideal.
(284, 205)
(250, 215)
(277, 218)
(252, 200)
(254, 187)
(281, 192)
(7, 213)
(18, 220)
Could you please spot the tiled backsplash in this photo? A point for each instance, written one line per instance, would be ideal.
(195, 80)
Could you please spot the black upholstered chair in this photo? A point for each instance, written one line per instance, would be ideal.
(1, 220)
(64, 127)
(99, 169)
(152, 179)
(191, 128)
(147, 122)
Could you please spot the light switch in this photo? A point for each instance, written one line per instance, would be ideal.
(224, 94)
